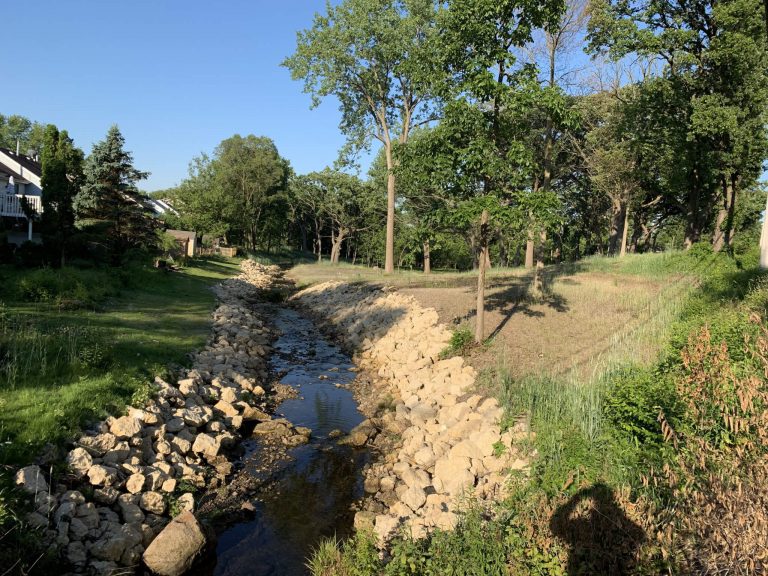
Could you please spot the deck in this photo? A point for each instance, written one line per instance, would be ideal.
(10, 205)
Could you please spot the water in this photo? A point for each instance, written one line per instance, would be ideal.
(312, 497)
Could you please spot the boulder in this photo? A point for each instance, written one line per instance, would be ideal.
(31, 479)
(125, 427)
(79, 461)
(177, 548)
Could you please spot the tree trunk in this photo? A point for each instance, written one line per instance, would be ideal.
(617, 221)
(389, 260)
(625, 233)
(764, 239)
(337, 240)
(693, 223)
(722, 234)
(480, 319)
(427, 258)
(530, 247)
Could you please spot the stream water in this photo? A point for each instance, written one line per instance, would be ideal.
(314, 490)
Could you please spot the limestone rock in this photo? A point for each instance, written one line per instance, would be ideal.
(152, 502)
(125, 427)
(177, 547)
(102, 475)
(79, 461)
(31, 479)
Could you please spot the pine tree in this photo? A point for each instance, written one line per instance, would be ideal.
(109, 201)
(62, 176)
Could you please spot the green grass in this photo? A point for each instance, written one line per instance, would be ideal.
(62, 369)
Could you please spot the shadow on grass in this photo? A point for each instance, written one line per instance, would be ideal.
(600, 536)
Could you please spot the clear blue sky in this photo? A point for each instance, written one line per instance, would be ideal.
(176, 76)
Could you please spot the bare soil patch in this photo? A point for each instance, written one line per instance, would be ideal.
(577, 320)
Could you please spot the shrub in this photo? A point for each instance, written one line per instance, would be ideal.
(461, 339)
(67, 287)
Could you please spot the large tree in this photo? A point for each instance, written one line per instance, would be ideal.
(18, 130)
(375, 57)
(482, 128)
(109, 203)
(715, 83)
(62, 176)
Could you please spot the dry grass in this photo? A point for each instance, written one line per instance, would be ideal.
(592, 317)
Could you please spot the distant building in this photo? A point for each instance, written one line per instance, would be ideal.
(187, 240)
(19, 182)
(160, 207)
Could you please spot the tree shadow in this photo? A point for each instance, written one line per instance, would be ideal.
(600, 536)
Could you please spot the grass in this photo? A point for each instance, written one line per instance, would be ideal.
(63, 368)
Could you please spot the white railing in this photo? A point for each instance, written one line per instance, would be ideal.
(10, 204)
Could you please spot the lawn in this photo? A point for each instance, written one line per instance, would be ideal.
(64, 368)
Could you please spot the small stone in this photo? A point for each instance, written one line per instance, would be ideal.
(135, 483)
(153, 502)
(169, 486)
(102, 475)
(186, 502)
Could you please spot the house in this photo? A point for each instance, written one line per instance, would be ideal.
(187, 241)
(20, 181)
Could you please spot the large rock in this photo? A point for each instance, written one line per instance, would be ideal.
(125, 427)
(79, 461)
(177, 547)
(102, 475)
(31, 479)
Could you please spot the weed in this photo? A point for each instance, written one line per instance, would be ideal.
(461, 339)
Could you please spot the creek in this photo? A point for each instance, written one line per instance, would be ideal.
(312, 493)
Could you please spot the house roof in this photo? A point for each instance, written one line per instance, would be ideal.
(182, 234)
(26, 162)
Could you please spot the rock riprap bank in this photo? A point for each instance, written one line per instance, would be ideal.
(127, 478)
(448, 440)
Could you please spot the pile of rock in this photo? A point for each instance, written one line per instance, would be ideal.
(130, 471)
(452, 445)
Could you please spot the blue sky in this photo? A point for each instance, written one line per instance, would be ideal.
(176, 76)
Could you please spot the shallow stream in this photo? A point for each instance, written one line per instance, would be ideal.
(314, 490)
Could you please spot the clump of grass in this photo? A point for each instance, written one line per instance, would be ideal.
(461, 339)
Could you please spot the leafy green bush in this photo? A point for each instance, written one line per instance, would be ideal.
(633, 401)
(460, 340)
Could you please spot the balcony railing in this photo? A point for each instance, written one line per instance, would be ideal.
(10, 204)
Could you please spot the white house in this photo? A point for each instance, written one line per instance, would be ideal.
(19, 179)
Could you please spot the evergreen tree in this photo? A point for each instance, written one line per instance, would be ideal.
(62, 167)
(109, 201)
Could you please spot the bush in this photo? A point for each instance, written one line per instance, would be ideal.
(633, 401)
(461, 339)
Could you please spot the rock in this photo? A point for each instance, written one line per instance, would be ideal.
(135, 483)
(169, 485)
(174, 425)
(452, 475)
(31, 479)
(106, 495)
(206, 445)
(98, 445)
(76, 554)
(414, 498)
(186, 502)
(177, 547)
(109, 547)
(181, 445)
(129, 509)
(251, 414)
(226, 408)
(102, 475)
(36, 520)
(79, 461)
(152, 502)
(384, 526)
(125, 427)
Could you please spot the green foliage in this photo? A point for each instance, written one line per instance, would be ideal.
(110, 201)
(460, 340)
(68, 287)
(634, 400)
(29, 135)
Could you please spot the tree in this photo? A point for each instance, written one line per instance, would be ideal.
(62, 176)
(109, 202)
(375, 57)
(251, 175)
(15, 129)
(714, 56)
(491, 162)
